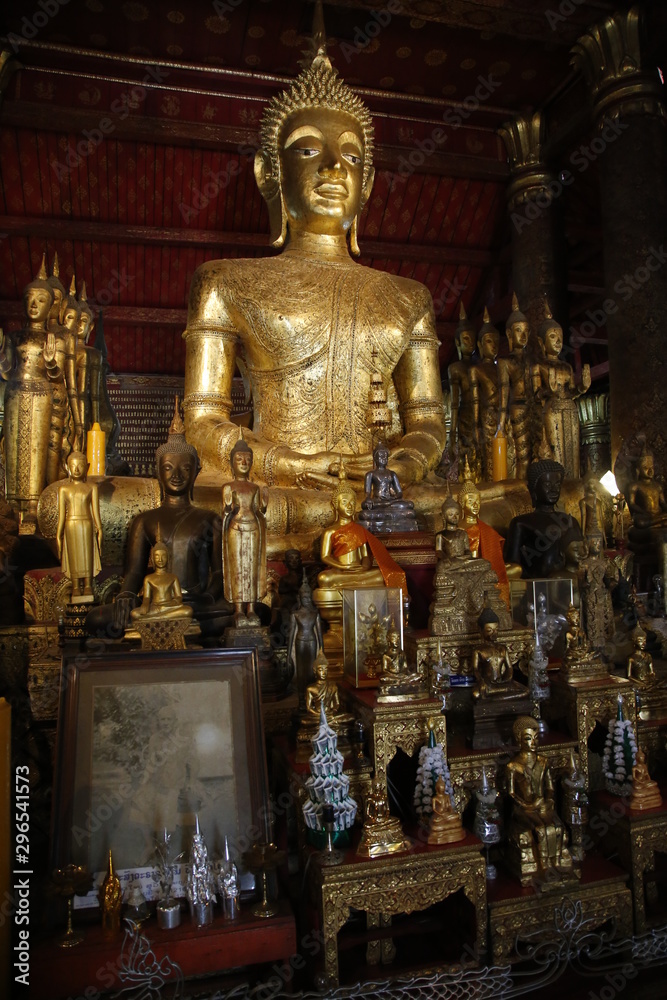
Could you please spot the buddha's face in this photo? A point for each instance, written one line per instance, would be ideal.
(176, 473)
(54, 311)
(242, 463)
(553, 341)
(488, 346)
(84, 326)
(573, 618)
(547, 488)
(381, 456)
(595, 546)
(320, 670)
(574, 553)
(293, 559)
(518, 334)
(640, 642)
(321, 168)
(646, 467)
(529, 738)
(77, 465)
(490, 631)
(160, 557)
(394, 641)
(37, 303)
(472, 503)
(71, 319)
(452, 515)
(346, 504)
(466, 343)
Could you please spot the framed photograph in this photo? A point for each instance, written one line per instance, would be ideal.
(149, 741)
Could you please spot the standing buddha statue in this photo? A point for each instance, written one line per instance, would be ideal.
(485, 383)
(60, 417)
(88, 369)
(516, 390)
(308, 320)
(29, 402)
(70, 317)
(555, 387)
(462, 430)
(243, 537)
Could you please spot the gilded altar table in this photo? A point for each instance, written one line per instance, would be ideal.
(395, 884)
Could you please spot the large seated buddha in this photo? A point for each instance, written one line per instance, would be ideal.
(307, 322)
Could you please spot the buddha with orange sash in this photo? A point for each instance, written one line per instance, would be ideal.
(348, 551)
(485, 542)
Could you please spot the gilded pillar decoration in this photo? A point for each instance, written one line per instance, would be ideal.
(537, 263)
(628, 109)
(595, 439)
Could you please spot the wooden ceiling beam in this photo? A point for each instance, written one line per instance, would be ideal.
(115, 315)
(60, 230)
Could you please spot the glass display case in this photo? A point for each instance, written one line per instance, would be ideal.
(542, 605)
(368, 615)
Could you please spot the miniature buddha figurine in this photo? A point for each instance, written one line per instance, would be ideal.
(396, 682)
(640, 662)
(382, 833)
(485, 542)
(645, 791)
(304, 642)
(244, 537)
(516, 391)
(554, 386)
(70, 316)
(485, 385)
(163, 599)
(445, 823)
(88, 368)
(79, 532)
(537, 541)
(451, 542)
(597, 575)
(29, 367)
(537, 845)
(384, 510)
(58, 445)
(491, 666)
(192, 536)
(580, 660)
(646, 498)
(590, 506)
(348, 550)
(306, 321)
(462, 434)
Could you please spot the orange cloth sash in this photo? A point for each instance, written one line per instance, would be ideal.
(490, 548)
(352, 536)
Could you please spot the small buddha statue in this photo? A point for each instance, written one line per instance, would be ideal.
(485, 542)
(304, 641)
(162, 596)
(555, 387)
(537, 542)
(537, 845)
(645, 791)
(646, 497)
(640, 662)
(451, 542)
(88, 368)
(61, 392)
(382, 833)
(485, 384)
(322, 701)
(516, 391)
(244, 537)
(462, 442)
(79, 531)
(491, 665)
(70, 315)
(445, 823)
(384, 510)
(396, 682)
(597, 575)
(580, 661)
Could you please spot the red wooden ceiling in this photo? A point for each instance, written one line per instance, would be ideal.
(127, 182)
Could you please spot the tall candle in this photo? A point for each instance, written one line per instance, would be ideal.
(499, 456)
(96, 451)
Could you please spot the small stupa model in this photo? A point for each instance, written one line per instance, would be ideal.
(431, 766)
(620, 754)
(328, 785)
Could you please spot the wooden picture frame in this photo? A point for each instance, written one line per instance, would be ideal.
(145, 741)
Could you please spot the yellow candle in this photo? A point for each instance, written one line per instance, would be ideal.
(499, 456)
(95, 451)
(5, 803)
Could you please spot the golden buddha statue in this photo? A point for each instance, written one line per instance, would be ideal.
(580, 662)
(491, 665)
(646, 497)
(29, 366)
(640, 662)
(323, 693)
(555, 387)
(70, 318)
(397, 682)
(88, 368)
(462, 434)
(445, 824)
(162, 595)
(61, 421)
(307, 321)
(516, 391)
(382, 833)
(485, 542)
(485, 385)
(645, 791)
(243, 537)
(79, 533)
(536, 838)
(451, 542)
(597, 576)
